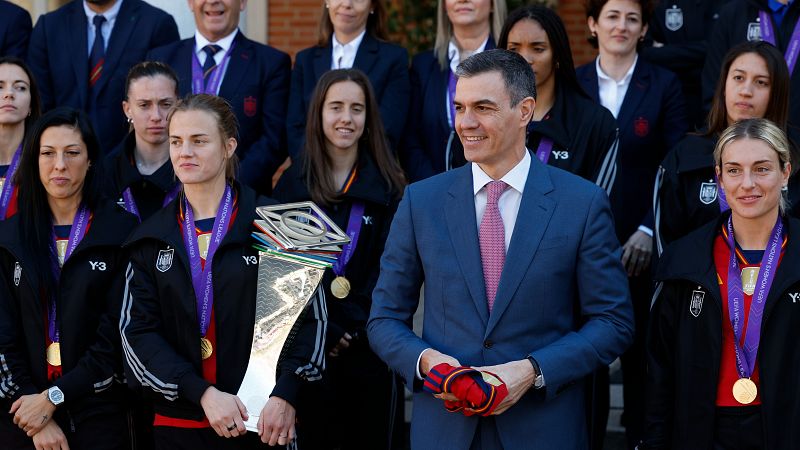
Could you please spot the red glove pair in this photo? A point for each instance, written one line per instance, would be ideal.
(478, 392)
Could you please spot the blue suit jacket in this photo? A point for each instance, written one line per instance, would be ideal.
(562, 298)
(385, 64)
(15, 30)
(59, 58)
(256, 84)
(651, 120)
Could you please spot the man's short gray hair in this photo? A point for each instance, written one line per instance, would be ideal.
(516, 72)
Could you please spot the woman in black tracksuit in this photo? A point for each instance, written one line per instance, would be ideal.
(754, 82)
(349, 170)
(717, 379)
(61, 288)
(569, 130)
(190, 352)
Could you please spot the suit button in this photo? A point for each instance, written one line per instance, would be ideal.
(488, 343)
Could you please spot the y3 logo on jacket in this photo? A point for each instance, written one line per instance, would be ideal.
(98, 265)
(561, 154)
(696, 304)
(794, 295)
(248, 260)
(164, 260)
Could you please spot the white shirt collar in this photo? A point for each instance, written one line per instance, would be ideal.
(625, 80)
(225, 43)
(346, 51)
(515, 178)
(454, 55)
(110, 15)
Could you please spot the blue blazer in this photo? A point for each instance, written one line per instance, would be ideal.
(562, 299)
(15, 30)
(256, 84)
(385, 64)
(59, 58)
(651, 120)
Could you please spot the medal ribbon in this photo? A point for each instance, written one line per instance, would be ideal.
(768, 34)
(76, 234)
(452, 79)
(545, 149)
(353, 231)
(130, 202)
(201, 276)
(746, 355)
(8, 187)
(723, 201)
(215, 79)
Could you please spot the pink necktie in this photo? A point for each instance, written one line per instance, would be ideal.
(492, 238)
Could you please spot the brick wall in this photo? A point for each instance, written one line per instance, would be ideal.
(293, 26)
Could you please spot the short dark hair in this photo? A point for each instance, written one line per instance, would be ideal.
(563, 64)
(516, 72)
(779, 82)
(150, 69)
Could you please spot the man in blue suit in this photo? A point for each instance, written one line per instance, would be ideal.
(254, 78)
(15, 30)
(77, 66)
(528, 286)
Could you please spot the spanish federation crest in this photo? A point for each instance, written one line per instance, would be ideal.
(164, 260)
(17, 273)
(753, 32)
(708, 193)
(674, 18)
(696, 304)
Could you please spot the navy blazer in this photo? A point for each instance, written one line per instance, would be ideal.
(59, 58)
(386, 66)
(429, 135)
(256, 84)
(562, 299)
(651, 120)
(15, 30)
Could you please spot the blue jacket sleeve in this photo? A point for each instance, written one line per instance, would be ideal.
(17, 34)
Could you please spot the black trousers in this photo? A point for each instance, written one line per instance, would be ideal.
(99, 432)
(634, 364)
(169, 438)
(738, 428)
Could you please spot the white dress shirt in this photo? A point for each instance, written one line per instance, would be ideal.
(225, 44)
(344, 55)
(612, 92)
(105, 29)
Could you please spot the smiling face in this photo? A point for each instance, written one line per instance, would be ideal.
(465, 13)
(747, 88)
(349, 17)
(752, 178)
(197, 149)
(149, 101)
(63, 162)
(618, 27)
(528, 38)
(491, 130)
(216, 19)
(15, 95)
(344, 113)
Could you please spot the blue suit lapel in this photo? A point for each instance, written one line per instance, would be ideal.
(463, 230)
(589, 82)
(367, 54)
(637, 91)
(118, 41)
(322, 59)
(534, 215)
(241, 56)
(182, 63)
(78, 52)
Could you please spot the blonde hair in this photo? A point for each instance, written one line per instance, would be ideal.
(764, 131)
(444, 28)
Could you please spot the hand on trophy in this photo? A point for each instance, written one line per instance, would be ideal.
(225, 412)
(276, 423)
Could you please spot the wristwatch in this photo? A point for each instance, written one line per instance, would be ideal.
(55, 395)
(538, 379)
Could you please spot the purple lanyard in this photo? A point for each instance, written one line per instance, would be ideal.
(766, 275)
(201, 276)
(76, 234)
(8, 186)
(198, 84)
(723, 201)
(545, 149)
(130, 203)
(768, 34)
(353, 231)
(451, 95)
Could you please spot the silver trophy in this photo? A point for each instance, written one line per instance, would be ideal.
(297, 243)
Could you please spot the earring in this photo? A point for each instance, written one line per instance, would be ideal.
(594, 34)
(372, 11)
(130, 119)
(327, 5)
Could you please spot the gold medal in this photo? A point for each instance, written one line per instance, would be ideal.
(745, 391)
(61, 249)
(203, 242)
(2, 183)
(749, 277)
(340, 287)
(206, 349)
(54, 354)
